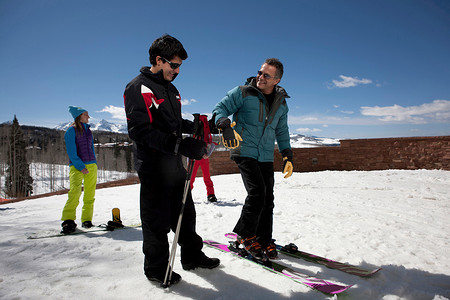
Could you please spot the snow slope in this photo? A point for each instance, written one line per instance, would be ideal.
(395, 219)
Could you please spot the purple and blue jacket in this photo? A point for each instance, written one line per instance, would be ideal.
(80, 147)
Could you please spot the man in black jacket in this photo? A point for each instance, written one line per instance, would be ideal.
(153, 110)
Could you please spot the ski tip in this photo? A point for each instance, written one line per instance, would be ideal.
(343, 289)
(374, 271)
(333, 289)
(231, 235)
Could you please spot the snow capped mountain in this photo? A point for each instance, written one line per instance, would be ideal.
(301, 141)
(63, 126)
(103, 125)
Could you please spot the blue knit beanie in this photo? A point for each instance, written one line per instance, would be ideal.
(76, 111)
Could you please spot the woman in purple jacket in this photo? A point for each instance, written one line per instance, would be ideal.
(83, 166)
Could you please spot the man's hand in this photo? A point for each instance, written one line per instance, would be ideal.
(288, 166)
(230, 138)
(192, 148)
(212, 125)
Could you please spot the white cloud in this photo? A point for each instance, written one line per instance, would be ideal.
(306, 130)
(438, 110)
(347, 81)
(348, 112)
(117, 112)
(188, 102)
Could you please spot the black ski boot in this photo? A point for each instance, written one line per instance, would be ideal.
(212, 198)
(68, 226)
(201, 261)
(87, 224)
(160, 275)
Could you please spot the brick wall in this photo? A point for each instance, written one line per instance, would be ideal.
(363, 154)
(358, 154)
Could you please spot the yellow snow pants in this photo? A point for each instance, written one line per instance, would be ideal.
(90, 181)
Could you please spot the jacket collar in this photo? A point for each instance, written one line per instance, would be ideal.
(157, 77)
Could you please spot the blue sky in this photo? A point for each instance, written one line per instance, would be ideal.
(353, 69)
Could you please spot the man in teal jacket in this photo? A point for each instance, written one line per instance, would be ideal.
(259, 112)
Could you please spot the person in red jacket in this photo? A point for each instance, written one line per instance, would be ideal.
(204, 163)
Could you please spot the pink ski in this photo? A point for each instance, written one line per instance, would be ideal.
(292, 250)
(314, 283)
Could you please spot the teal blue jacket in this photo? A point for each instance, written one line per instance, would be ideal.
(258, 125)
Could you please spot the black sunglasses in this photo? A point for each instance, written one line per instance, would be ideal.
(172, 64)
(265, 75)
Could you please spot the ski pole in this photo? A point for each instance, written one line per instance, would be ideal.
(168, 275)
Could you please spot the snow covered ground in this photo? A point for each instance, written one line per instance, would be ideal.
(395, 219)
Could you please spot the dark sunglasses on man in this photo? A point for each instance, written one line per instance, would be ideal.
(265, 75)
(171, 64)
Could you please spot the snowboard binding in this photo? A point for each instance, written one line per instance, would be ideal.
(116, 222)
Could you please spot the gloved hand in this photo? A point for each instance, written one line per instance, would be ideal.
(288, 166)
(230, 138)
(192, 148)
(212, 125)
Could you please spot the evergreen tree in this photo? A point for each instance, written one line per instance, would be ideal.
(18, 180)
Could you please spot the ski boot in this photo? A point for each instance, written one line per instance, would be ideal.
(252, 246)
(212, 198)
(68, 226)
(271, 250)
(87, 224)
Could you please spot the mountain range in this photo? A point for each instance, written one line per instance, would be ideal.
(297, 140)
(103, 125)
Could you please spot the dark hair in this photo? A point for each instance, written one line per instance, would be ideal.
(277, 64)
(168, 47)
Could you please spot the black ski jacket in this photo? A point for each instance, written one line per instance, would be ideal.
(153, 110)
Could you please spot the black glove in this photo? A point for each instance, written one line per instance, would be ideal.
(212, 125)
(223, 123)
(288, 166)
(198, 126)
(192, 148)
(230, 138)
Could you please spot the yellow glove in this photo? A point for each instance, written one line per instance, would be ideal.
(288, 166)
(230, 138)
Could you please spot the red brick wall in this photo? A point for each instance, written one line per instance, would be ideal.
(358, 154)
(363, 154)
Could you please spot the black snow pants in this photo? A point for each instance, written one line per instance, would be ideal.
(160, 201)
(257, 214)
